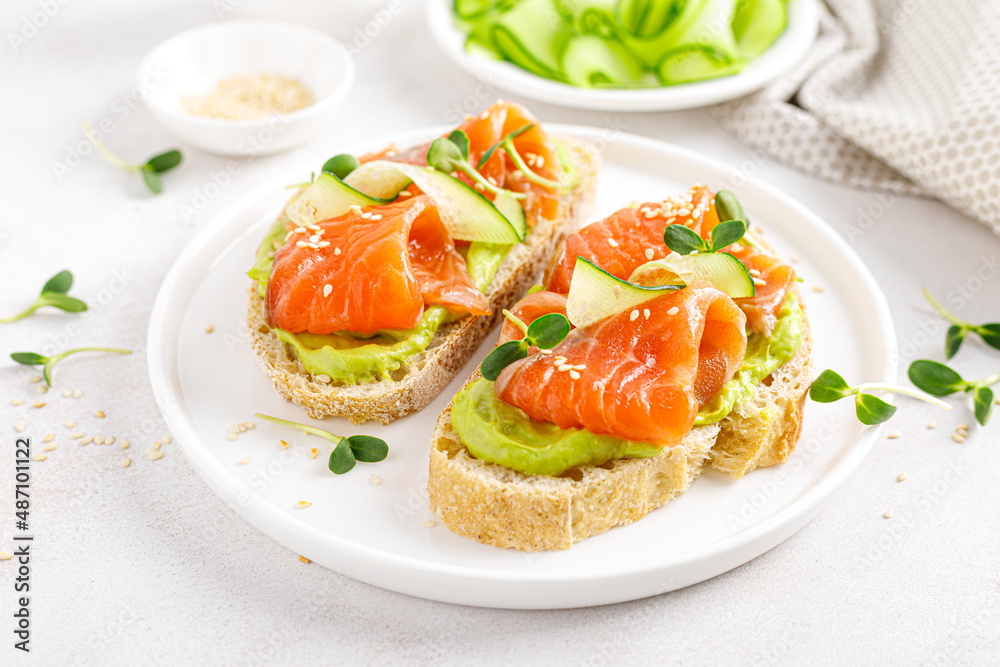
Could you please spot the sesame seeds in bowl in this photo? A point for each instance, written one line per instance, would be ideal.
(246, 88)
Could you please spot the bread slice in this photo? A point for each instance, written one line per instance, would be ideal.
(416, 384)
(502, 507)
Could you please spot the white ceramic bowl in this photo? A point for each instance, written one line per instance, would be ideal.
(782, 56)
(195, 60)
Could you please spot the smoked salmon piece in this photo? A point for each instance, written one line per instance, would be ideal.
(637, 378)
(529, 309)
(381, 267)
(631, 237)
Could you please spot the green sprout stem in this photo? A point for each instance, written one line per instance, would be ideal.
(28, 311)
(471, 172)
(913, 393)
(985, 382)
(528, 173)
(942, 311)
(515, 320)
(301, 427)
(108, 155)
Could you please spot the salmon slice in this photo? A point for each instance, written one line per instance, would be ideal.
(631, 237)
(529, 309)
(382, 266)
(634, 378)
(625, 240)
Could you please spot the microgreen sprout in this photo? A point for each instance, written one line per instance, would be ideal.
(544, 333)
(451, 154)
(940, 380)
(732, 228)
(990, 333)
(150, 170)
(347, 451)
(830, 387)
(47, 363)
(54, 293)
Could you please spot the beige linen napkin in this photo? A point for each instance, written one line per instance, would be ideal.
(897, 95)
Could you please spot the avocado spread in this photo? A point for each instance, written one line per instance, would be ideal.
(500, 433)
(353, 359)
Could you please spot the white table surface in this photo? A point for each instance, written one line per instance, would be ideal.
(145, 565)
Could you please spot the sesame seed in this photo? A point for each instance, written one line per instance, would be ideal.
(300, 230)
(37, 378)
(17, 401)
(645, 313)
(284, 445)
(479, 186)
(580, 367)
(300, 244)
(323, 244)
(166, 439)
(99, 414)
(564, 367)
(209, 328)
(245, 460)
(684, 211)
(612, 242)
(124, 443)
(232, 436)
(48, 438)
(574, 375)
(126, 463)
(304, 560)
(314, 238)
(649, 253)
(42, 389)
(559, 360)
(336, 251)
(77, 435)
(755, 273)
(932, 425)
(405, 193)
(327, 289)
(19, 427)
(376, 480)
(693, 252)
(87, 441)
(39, 404)
(77, 393)
(673, 311)
(430, 524)
(324, 378)
(758, 281)
(354, 207)
(249, 424)
(894, 435)
(633, 316)
(39, 457)
(109, 441)
(302, 504)
(313, 452)
(817, 289)
(6, 555)
(617, 291)
(98, 440)
(155, 456)
(962, 427)
(156, 444)
(671, 220)
(69, 424)
(50, 447)
(901, 477)
(651, 214)
(958, 437)
(888, 513)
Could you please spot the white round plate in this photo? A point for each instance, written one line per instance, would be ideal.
(205, 382)
(785, 54)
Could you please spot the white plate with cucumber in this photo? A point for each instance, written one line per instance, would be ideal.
(382, 534)
(662, 75)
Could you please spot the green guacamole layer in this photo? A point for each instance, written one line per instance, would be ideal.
(351, 359)
(500, 433)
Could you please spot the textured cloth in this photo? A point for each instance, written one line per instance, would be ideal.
(897, 95)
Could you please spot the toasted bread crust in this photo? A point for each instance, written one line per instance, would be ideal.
(502, 507)
(422, 379)
(505, 508)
